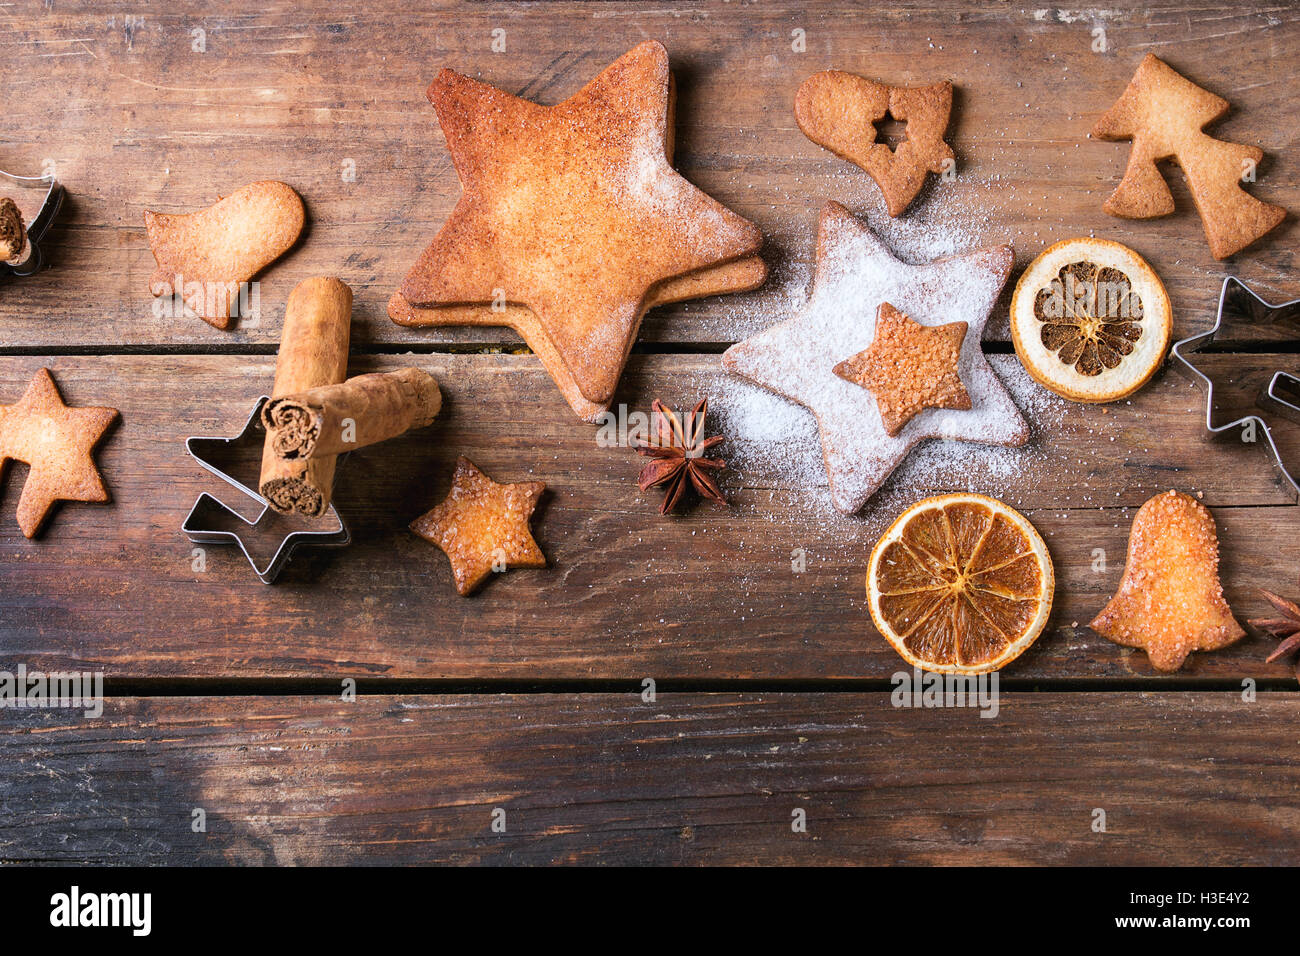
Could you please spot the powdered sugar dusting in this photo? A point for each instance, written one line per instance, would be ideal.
(642, 172)
(940, 466)
(856, 274)
(947, 218)
(774, 443)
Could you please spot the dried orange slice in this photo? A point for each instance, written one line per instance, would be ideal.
(1090, 320)
(960, 584)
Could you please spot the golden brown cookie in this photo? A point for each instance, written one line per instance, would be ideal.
(13, 234)
(206, 256)
(483, 526)
(909, 367)
(840, 111)
(572, 210)
(57, 443)
(740, 276)
(1170, 601)
(1162, 112)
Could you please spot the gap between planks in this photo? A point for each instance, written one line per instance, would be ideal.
(380, 687)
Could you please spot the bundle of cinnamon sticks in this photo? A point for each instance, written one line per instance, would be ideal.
(13, 233)
(317, 413)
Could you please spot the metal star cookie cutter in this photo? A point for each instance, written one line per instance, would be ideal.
(30, 260)
(201, 524)
(1237, 301)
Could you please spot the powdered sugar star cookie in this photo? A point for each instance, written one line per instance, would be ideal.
(855, 274)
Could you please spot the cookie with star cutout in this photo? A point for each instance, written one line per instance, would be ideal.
(57, 443)
(482, 525)
(840, 111)
(573, 211)
(856, 274)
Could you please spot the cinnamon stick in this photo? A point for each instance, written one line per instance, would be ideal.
(313, 352)
(13, 234)
(362, 411)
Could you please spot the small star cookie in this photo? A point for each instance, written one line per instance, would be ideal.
(483, 526)
(57, 443)
(909, 367)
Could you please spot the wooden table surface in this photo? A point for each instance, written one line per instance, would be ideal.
(773, 688)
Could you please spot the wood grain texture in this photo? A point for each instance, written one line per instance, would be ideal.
(1184, 779)
(710, 594)
(133, 118)
(169, 107)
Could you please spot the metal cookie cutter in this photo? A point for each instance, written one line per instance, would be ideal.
(1237, 302)
(203, 524)
(29, 261)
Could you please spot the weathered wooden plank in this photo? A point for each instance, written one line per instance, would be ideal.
(711, 594)
(132, 117)
(1183, 779)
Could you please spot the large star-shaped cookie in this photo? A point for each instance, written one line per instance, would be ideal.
(573, 211)
(56, 442)
(483, 526)
(855, 274)
(739, 276)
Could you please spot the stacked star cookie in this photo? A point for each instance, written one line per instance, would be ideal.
(573, 223)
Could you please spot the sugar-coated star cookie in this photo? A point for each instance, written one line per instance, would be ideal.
(909, 367)
(57, 443)
(483, 526)
(855, 274)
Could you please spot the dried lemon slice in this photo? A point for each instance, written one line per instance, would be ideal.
(960, 584)
(1090, 320)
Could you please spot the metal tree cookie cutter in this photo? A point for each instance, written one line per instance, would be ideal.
(29, 261)
(203, 524)
(1282, 394)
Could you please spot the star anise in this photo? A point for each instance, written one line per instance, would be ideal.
(1285, 628)
(677, 452)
